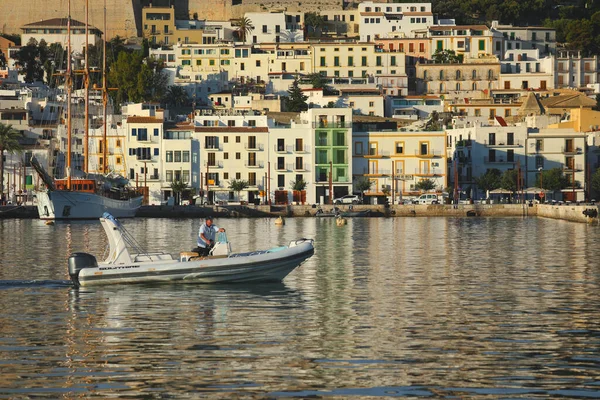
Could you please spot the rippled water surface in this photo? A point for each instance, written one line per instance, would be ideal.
(423, 307)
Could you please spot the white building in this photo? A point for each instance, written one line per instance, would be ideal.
(524, 69)
(384, 20)
(55, 31)
(275, 27)
(527, 38)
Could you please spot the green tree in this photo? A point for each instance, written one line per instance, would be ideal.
(313, 22)
(595, 183)
(176, 96)
(9, 142)
(552, 179)
(319, 81)
(298, 185)
(362, 185)
(28, 61)
(136, 79)
(237, 185)
(446, 57)
(509, 180)
(296, 100)
(243, 28)
(492, 179)
(178, 187)
(425, 185)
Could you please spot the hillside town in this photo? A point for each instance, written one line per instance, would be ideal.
(382, 100)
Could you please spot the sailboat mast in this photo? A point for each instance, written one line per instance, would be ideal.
(86, 77)
(104, 100)
(68, 84)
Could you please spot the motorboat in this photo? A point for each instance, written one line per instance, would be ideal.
(220, 266)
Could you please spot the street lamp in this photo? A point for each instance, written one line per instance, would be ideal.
(542, 195)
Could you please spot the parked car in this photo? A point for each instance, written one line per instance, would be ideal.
(347, 199)
(429, 199)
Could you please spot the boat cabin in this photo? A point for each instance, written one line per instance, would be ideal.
(79, 185)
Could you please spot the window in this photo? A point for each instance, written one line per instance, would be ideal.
(156, 151)
(399, 147)
(238, 139)
(393, 60)
(177, 155)
(378, 61)
(238, 175)
(238, 156)
(371, 104)
(323, 63)
(169, 156)
(258, 63)
(482, 45)
(539, 162)
(225, 175)
(225, 156)
(363, 61)
(350, 61)
(185, 156)
(225, 139)
(336, 61)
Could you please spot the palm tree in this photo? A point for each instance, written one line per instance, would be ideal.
(244, 27)
(9, 141)
(178, 187)
(237, 185)
(176, 96)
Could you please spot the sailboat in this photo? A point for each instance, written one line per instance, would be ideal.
(85, 198)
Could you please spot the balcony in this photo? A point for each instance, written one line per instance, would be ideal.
(376, 172)
(430, 154)
(428, 172)
(283, 149)
(302, 149)
(497, 160)
(515, 143)
(572, 168)
(571, 150)
(254, 146)
(330, 124)
(464, 143)
(255, 164)
(213, 147)
(302, 167)
(216, 164)
(146, 158)
(283, 167)
(377, 154)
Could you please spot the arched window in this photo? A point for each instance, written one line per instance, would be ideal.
(441, 88)
(425, 75)
(490, 74)
(457, 86)
(474, 74)
(441, 74)
(457, 74)
(474, 85)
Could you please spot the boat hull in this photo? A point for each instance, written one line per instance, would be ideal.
(57, 205)
(252, 267)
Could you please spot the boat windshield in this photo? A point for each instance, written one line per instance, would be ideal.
(222, 237)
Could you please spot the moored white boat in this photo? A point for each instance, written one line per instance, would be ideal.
(64, 204)
(221, 267)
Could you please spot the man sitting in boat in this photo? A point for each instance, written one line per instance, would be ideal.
(206, 236)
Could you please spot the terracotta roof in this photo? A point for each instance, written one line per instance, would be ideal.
(458, 27)
(55, 22)
(143, 120)
(233, 129)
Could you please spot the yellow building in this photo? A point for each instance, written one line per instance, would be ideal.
(161, 28)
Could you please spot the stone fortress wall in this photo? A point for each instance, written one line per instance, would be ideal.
(124, 16)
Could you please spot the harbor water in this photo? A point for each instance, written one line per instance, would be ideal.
(420, 307)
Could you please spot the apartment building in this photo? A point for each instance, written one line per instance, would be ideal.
(477, 146)
(558, 148)
(573, 70)
(470, 41)
(395, 161)
(413, 107)
(524, 69)
(341, 22)
(384, 20)
(55, 31)
(233, 145)
(458, 78)
(539, 38)
(275, 27)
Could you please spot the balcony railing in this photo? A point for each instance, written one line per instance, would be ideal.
(498, 160)
(464, 143)
(302, 167)
(573, 167)
(571, 150)
(377, 154)
(330, 124)
(254, 146)
(376, 171)
(213, 147)
(428, 171)
(216, 164)
(283, 149)
(255, 164)
(498, 143)
(302, 149)
(429, 154)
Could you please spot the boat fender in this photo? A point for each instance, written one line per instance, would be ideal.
(79, 261)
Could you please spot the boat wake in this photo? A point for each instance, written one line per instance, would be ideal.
(8, 284)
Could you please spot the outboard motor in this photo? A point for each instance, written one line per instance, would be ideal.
(77, 262)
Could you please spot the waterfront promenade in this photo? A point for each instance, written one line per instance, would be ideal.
(574, 213)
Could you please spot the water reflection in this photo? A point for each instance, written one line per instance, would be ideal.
(428, 307)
